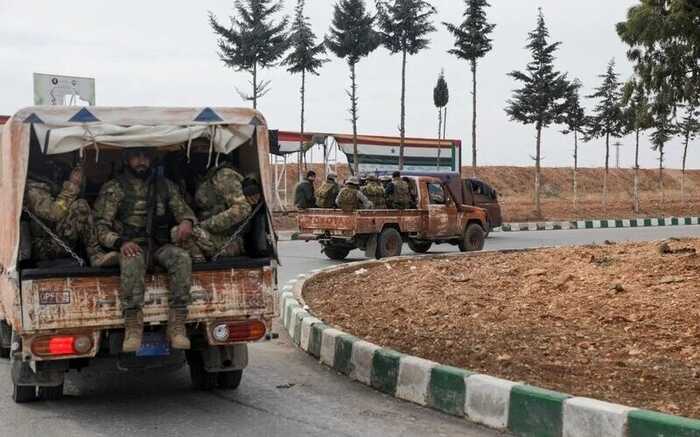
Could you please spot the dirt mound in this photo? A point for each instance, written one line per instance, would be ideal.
(617, 322)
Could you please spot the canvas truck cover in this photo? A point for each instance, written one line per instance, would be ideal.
(61, 129)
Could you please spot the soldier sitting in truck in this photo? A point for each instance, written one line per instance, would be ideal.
(325, 197)
(60, 221)
(351, 198)
(374, 192)
(398, 192)
(134, 213)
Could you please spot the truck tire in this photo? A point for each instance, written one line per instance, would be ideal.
(23, 393)
(389, 243)
(201, 379)
(230, 380)
(419, 246)
(336, 253)
(51, 393)
(473, 238)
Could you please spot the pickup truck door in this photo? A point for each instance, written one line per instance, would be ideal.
(442, 212)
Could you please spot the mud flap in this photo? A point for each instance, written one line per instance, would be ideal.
(225, 358)
(41, 374)
(371, 249)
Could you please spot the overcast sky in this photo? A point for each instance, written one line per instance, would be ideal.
(163, 53)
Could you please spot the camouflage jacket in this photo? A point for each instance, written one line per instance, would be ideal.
(121, 209)
(398, 194)
(325, 197)
(350, 199)
(39, 198)
(220, 200)
(375, 194)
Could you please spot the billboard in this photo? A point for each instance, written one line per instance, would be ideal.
(52, 89)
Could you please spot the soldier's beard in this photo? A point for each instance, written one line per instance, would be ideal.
(140, 172)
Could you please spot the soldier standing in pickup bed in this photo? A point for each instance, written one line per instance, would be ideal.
(351, 198)
(398, 193)
(325, 198)
(374, 192)
(304, 195)
(69, 218)
(134, 214)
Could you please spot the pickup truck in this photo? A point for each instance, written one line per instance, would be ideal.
(437, 219)
(58, 315)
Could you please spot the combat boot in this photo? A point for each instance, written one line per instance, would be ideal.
(177, 333)
(101, 259)
(133, 330)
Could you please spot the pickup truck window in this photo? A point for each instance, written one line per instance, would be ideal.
(436, 194)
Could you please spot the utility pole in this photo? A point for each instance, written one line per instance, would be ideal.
(617, 146)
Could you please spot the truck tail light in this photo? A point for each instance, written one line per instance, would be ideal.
(249, 330)
(62, 345)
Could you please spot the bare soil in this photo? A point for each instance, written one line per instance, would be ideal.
(619, 322)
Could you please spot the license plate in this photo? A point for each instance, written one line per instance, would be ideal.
(154, 344)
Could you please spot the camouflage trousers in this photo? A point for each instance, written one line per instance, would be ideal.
(77, 227)
(174, 260)
(203, 245)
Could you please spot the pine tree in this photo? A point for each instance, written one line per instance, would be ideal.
(472, 43)
(541, 100)
(404, 25)
(254, 41)
(637, 119)
(688, 129)
(607, 120)
(575, 121)
(306, 57)
(352, 37)
(441, 97)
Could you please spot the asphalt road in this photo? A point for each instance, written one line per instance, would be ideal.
(284, 391)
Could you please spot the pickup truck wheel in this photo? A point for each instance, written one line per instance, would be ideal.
(419, 246)
(201, 379)
(473, 239)
(230, 380)
(389, 243)
(23, 393)
(51, 393)
(336, 253)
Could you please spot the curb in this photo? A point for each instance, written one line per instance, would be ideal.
(598, 224)
(510, 406)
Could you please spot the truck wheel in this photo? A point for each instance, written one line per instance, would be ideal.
(201, 379)
(336, 253)
(230, 380)
(419, 246)
(473, 239)
(23, 393)
(389, 243)
(51, 393)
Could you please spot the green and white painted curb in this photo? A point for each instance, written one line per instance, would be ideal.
(515, 407)
(599, 224)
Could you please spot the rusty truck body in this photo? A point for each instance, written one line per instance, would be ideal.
(57, 315)
(438, 218)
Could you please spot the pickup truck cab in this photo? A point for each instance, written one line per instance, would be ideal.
(59, 315)
(437, 219)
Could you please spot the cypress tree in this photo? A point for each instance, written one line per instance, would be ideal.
(637, 119)
(575, 121)
(404, 25)
(254, 41)
(441, 97)
(352, 37)
(472, 43)
(607, 120)
(542, 99)
(305, 57)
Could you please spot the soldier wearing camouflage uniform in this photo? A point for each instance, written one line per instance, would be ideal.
(223, 202)
(398, 193)
(68, 217)
(351, 198)
(374, 192)
(325, 197)
(123, 210)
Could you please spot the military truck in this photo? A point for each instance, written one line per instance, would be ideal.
(439, 217)
(61, 315)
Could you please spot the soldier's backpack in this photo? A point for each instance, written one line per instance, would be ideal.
(348, 200)
(401, 197)
(325, 197)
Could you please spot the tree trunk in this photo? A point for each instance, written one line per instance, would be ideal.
(538, 208)
(353, 113)
(444, 128)
(439, 137)
(403, 110)
(605, 176)
(636, 174)
(685, 155)
(255, 85)
(575, 188)
(301, 139)
(474, 117)
(661, 173)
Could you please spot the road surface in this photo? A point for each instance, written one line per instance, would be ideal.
(284, 391)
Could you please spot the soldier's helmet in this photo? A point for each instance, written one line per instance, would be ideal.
(353, 180)
(332, 177)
